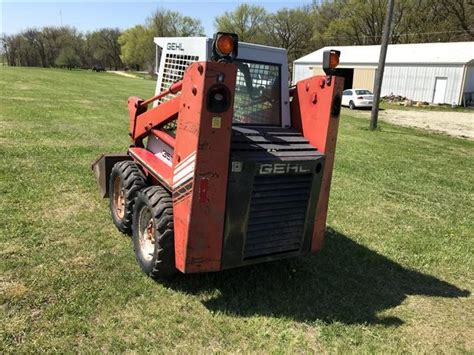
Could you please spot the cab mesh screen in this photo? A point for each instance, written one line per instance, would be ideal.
(257, 94)
(257, 89)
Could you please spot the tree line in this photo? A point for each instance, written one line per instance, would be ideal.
(351, 22)
(107, 48)
(299, 30)
(63, 47)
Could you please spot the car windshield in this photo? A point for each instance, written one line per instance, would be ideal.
(363, 92)
(257, 94)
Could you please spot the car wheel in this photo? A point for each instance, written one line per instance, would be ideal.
(352, 105)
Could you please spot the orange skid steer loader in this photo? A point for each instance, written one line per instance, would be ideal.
(227, 165)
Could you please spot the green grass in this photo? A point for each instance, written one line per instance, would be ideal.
(396, 274)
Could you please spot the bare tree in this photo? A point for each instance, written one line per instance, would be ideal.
(463, 12)
(105, 48)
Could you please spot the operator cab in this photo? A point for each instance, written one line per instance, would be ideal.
(261, 91)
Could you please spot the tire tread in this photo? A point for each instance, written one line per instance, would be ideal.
(161, 206)
(133, 181)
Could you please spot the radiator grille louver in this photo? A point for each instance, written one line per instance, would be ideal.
(277, 214)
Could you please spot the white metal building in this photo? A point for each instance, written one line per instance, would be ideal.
(431, 72)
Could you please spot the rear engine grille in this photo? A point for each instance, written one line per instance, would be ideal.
(277, 214)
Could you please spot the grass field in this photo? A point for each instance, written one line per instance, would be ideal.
(396, 274)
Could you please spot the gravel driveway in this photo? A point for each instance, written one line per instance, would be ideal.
(457, 124)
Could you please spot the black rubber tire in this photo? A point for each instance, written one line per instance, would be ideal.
(158, 201)
(352, 106)
(132, 180)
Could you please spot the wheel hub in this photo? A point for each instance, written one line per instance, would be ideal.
(119, 198)
(146, 234)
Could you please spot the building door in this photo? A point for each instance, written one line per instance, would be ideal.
(348, 74)
(440, 90)
(364, 78)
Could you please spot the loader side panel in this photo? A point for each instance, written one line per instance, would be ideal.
(200, 164)
(315, 110)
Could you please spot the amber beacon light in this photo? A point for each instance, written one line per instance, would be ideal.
(224, 47)
(331, 61)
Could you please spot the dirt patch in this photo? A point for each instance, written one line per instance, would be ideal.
(457, 124)
(12, 289)
(122, 73)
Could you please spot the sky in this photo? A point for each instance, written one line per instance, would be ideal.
(91, 15)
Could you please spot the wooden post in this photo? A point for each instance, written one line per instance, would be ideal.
(379, 74)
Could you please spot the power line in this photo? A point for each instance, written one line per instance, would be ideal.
(427, 33)
(402, 34)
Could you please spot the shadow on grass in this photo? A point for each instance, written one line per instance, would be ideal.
(346, 282)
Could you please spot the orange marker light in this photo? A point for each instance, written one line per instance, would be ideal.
(333, 60)
(225, 44)
(224, 47)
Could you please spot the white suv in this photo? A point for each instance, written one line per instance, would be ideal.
(357, 98)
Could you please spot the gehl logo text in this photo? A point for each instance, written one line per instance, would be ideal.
(282, 168)
(175, 46)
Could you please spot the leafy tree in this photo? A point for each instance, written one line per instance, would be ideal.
(166, 23)
(247, 21)
(300, 31)
(136, 46)
(105, 47)
(357, 22)
(9, 49)
(36, 47)
(436, 20)
(68, 58)
(55, 39)
(291, 29)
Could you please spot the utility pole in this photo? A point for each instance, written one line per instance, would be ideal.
(379, 73)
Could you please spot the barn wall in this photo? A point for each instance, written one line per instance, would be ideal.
(318, 70)
(364, 78)
(417, 82)
(469, 80)
(468, 86)
(302, 71)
